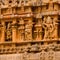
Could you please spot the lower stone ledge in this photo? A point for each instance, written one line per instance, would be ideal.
(32, 56)
(31, 41)
(30, 49)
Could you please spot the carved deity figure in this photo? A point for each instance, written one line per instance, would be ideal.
(9, 31)
(28, 32)
(48, 27)
(38, 30)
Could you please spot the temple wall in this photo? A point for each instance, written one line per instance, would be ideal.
(31, 56)
(30, 29)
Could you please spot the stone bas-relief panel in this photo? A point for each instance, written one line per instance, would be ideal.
(31, 56)
(41, 23)
(25, 26)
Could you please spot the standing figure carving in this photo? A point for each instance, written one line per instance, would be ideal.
(28, 30)
(48, 27)
(9, 32)
(38, 30)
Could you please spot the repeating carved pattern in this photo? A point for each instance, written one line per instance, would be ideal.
(29, 29)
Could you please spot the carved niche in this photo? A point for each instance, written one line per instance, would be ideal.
(8, 31)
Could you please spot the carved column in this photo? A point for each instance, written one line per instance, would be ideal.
(55, 34)
(3, 32)
(28, 30)
(21, 32)
(14, 31)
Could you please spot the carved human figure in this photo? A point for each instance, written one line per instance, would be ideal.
(27, 34)
(9, 31)
(28, 31)
(48, 27)
(38, 30)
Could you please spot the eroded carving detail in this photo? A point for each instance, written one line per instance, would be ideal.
(48, 27)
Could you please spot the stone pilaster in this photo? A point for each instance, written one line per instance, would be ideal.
(21, 35)
(14, 31)
(28, 30)
(55, 34)
(3, 32)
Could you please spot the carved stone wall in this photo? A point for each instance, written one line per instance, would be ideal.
(41, 21)
(31, 56)
(30, 29)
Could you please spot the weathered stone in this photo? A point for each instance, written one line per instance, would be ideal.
(29, 30)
